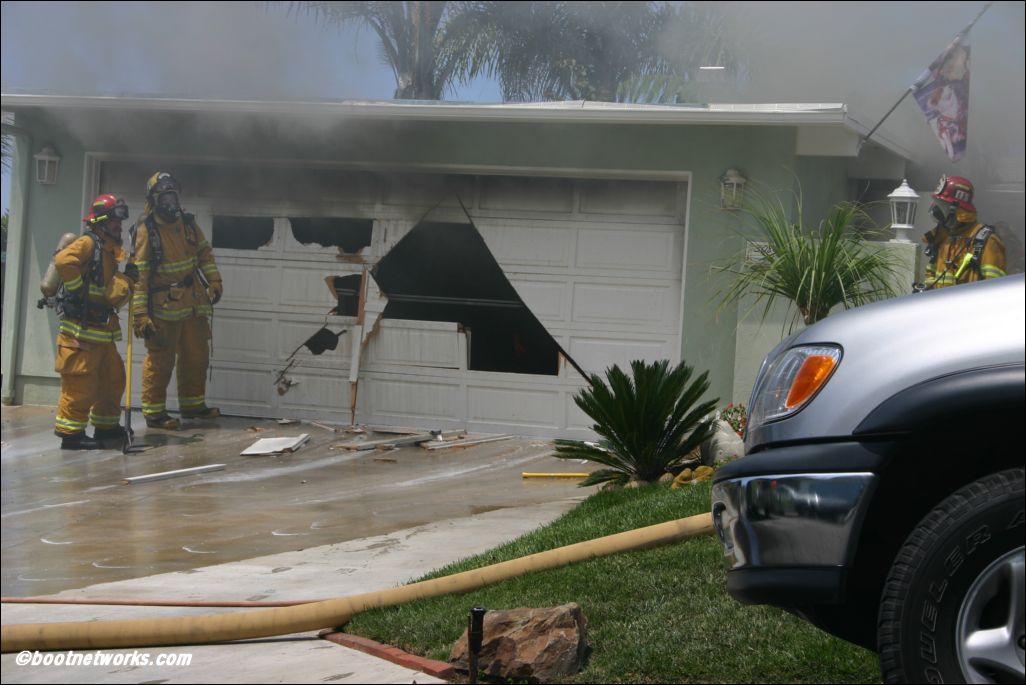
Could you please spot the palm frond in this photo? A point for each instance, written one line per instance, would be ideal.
(648, 419)
(815, 270)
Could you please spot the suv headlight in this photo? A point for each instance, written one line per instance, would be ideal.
(791, 380)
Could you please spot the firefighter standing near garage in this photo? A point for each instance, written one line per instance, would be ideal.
(960, 249)
(92, 373)
(178, 284)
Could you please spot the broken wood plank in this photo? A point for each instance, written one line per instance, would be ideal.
(468, 442)
(397, 430)
(173, 474)
(382, 443)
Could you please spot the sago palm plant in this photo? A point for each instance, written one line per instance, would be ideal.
(815, 270)
(647, 422)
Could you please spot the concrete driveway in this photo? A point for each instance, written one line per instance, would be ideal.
(68, 520)
(316, 523)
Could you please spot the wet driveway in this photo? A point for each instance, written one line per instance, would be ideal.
(68, 520)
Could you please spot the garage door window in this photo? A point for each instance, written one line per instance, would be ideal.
(242, 232)
(349, 235)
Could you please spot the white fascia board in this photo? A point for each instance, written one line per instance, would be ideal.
(557, 112)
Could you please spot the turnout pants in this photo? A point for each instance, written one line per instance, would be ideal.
(188, 341)
(92, 383)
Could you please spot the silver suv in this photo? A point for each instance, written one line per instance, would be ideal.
(881, 495)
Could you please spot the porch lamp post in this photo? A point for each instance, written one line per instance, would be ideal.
(732, 189)
(48, 163)
(903, 211)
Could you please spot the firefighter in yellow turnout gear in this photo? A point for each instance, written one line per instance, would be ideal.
(92, 373)
(178, 284)
(960, 249)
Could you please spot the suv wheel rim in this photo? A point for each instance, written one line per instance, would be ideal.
(990, 624)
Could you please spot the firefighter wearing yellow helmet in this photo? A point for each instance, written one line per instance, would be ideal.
(178, 284)
(92, 373)
(960, 249)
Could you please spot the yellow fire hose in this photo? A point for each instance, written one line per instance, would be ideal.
(193, 630)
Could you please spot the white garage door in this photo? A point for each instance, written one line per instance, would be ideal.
(597, 261)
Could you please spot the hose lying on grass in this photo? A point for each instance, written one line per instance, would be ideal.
(193, 630)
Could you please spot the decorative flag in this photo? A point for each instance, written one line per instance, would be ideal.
(942, 92)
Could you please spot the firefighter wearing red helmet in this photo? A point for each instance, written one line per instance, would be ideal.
(960, 249)
(178, 285)
(92, 373)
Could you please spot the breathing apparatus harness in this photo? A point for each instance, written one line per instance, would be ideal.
(971, 258)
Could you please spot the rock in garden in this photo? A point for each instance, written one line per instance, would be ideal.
(724, 445)
(529, 644)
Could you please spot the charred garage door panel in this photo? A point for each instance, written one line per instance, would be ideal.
(597, 262)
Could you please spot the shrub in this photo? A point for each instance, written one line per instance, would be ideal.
(647, 422)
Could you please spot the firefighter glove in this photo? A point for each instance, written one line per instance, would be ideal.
(214, 291)
(143, 327)
(132, 272)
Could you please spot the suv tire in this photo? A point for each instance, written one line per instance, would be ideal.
(960, 572)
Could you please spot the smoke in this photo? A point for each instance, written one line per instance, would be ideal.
(863, 54)
(866, 54)
(230, 50)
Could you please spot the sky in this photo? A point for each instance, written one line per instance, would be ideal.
(863, 54)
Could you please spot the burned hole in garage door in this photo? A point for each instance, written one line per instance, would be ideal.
(347, 234)
(445, 272)
(242, 232)
(346, 290)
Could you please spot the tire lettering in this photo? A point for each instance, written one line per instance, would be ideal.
(976, 538)
(932, 675)
(1017, 521)
(954, 561)
(937, 590)
(927, 648)
(929, 617)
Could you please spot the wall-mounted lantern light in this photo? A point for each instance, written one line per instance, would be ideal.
(732, 189)
(903, 211)
(48, 163)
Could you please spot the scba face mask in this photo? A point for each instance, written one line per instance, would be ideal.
(167, 206)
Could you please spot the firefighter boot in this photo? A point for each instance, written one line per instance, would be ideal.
(162, 420)
(115, 433)
(79, 441)
(201, 412)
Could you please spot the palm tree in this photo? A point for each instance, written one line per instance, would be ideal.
(815, 270)
(411, 36)
(647, 422)
(607, 51)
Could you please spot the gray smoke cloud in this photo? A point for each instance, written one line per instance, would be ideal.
(227, 50)
(864, 54)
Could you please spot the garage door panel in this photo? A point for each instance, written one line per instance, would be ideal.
(239, 337)
(638, 198)
(514, 406)
(597, 354)
(249, 284)
(651, 305)
(291, 334)
(627, 249)
(401, 398)
(538, 194)
(305, 287)
(317, 392)
(246, 388)
(528, 245)
(546, 299)
(422, 344)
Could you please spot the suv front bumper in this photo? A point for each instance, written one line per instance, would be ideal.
(788, 537)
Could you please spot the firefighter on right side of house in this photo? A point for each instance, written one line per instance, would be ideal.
(960, 249)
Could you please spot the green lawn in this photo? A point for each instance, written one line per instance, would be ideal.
(654, 616)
